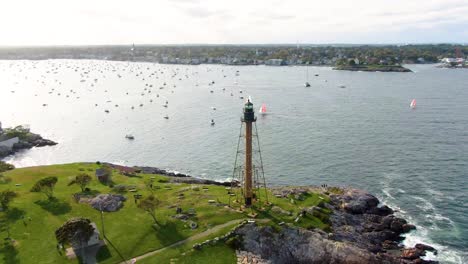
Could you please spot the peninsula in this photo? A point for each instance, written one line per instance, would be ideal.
(372, 68)
(171, 218)
(18, 138)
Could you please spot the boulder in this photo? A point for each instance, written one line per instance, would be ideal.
(412, 253)
(382, 211)
(358, 202)
(408, 227)
(425, 247)
(107, 202)
(397, 225)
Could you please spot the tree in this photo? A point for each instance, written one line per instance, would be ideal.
(76, 231)
(82, 180)
(149, 184)
(149, 204)
(6, 197)
(45, 186)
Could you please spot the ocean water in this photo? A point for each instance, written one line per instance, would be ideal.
(364, 135)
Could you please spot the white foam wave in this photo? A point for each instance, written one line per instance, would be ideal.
(421, 234)
(445, 254)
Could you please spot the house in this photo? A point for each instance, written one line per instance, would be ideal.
(93, 240)
(8, 144)
(275, 62)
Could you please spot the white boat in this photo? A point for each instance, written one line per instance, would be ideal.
(413, 104)
(263, 110)
(307, 84)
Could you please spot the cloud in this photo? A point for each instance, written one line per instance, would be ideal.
(239, 21)
(198, 12)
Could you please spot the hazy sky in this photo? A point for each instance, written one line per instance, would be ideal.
(68, 22)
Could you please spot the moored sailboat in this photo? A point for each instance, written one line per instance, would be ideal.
(413, 104)
(263, 109)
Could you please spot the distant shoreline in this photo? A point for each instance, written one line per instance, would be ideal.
(373, 68)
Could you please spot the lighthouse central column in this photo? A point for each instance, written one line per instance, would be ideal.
(248, 164)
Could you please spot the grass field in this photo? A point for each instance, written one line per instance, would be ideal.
(33, 218)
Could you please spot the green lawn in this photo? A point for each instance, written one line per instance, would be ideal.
(33, 219)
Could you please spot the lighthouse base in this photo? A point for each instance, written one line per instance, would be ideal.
(248, 202)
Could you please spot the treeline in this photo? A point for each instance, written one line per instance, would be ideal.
(303, 54)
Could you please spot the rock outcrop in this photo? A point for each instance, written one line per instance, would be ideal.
(295, 245)
(362, 232)
(107, 202)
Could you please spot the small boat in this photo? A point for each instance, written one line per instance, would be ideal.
(212, 122)
(413, 104)
(214, 108)
(342, 86)
(166, 117)
(307, 84)
(129, 136)
(263, 109)
(107, 111)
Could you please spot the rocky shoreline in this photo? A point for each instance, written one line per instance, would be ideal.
(15, 139)
(363, 231)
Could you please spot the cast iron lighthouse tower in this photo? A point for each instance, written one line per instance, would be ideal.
(248, 119)
(250, 174)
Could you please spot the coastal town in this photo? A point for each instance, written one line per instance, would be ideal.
(449, 55)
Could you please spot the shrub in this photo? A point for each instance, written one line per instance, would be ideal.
(4, 179)
(5, 166)
(45, 186)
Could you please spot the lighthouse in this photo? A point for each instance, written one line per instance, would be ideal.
(248, 177)
(248, 118)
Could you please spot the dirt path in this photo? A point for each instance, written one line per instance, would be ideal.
(192, 238)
